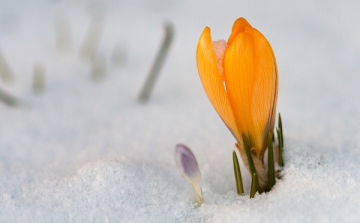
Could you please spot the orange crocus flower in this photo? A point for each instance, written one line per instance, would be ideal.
(240, 78)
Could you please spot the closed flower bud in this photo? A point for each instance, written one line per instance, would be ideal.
(240, 78)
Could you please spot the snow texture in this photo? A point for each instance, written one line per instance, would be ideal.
(85, 150)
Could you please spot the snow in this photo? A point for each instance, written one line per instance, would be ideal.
(87, 151)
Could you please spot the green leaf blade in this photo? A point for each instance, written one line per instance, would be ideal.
(271, 166)
(281, 161)
(251, 163)
(253, 185)
(237, 172)
(281, 130)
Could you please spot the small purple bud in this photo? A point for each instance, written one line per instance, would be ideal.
(186, 162)
(189, 168)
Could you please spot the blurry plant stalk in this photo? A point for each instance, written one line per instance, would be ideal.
(240, 78)
(8, 99)
(7, 77)
(38, 78)
(158, 63)
(6, 73)
(91, 42)
(98, 68)
(63, 34)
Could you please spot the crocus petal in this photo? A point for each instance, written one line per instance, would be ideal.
(251, 82)
(212, 82)
(239, 80)
(239, 26)
(265, 91)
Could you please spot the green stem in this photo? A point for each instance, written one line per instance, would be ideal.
(251, 163)
(248, 154)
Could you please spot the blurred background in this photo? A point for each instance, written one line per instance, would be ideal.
(316, 45)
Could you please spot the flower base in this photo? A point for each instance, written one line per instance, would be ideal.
(262, 180)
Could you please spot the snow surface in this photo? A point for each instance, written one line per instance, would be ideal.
(86, 151)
